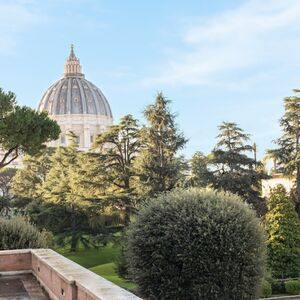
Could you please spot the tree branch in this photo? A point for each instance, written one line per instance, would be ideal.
(3, 162)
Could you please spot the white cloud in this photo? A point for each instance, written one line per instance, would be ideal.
(15, 18)
(229, 48)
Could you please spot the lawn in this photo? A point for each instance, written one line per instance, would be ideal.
(100, 261)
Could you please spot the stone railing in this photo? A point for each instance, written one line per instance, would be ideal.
(60, 277)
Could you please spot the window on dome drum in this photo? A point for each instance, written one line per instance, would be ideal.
(62, 139)
(92, 138)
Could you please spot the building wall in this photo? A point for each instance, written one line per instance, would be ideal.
(85, 126)
(269, 184)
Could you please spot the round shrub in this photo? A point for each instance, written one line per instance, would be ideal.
(196, 244)
(292, 287)
(16, 233)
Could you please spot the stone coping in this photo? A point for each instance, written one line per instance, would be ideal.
(94, 285)
(282, 297)
(16, 251)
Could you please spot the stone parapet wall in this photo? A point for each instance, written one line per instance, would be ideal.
(15, 260)
(60, 277)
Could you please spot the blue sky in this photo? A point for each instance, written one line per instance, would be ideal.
(216, 60)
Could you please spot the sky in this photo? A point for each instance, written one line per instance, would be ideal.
(222, 60)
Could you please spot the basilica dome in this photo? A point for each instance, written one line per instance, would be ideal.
(77, 105)
(73, 94)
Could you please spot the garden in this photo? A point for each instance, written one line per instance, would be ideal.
(147, 218)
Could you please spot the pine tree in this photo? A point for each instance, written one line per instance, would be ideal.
(283, 233)
(200, 175)
(28, 179)
(118, 148)
(159, 165)
(287, 155)
(60, 189)
(73, 194)
(232, 169)
(22, 129)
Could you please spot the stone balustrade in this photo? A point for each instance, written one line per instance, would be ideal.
(61, 278)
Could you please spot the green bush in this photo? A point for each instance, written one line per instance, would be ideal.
(16, 233)
(266, 289)
(278, 287)
(197, 244)
(283, 233)
(121, 262)
(292, 287)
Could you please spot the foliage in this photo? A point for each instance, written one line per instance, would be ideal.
(180, 248)
(122, 265)
(283, 231)
(28, 180)
(22, 129)
(200, 173)
(69, 202)
(278, 287)
(5, 206)
(59, 191)
(159, 165)
(119, 146)
(63, 190)
(232, 169)
(6, 176)
(121, 260)
(266, 289)
(16, 233)
(287, 155)
(292, 287)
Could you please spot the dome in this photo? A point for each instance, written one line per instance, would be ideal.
(73, 94)
(77, 105)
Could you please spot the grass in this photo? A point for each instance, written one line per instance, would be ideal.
(92, 257)
(108, 272)
(100, 261)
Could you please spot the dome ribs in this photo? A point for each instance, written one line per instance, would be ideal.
(82, 95)
(73, 94)
(69, 97)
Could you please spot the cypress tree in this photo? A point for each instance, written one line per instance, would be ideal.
(283, 234)
(287, 154)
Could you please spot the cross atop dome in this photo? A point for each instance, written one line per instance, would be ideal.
(72, 54)
(72, 66)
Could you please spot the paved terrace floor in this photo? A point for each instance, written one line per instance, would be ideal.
(21, 287)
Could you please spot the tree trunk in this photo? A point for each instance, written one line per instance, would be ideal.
(297, 200)
(73, 233)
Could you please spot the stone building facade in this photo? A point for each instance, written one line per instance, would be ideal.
(277, 179)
